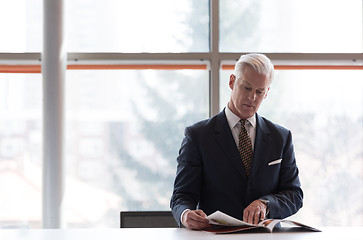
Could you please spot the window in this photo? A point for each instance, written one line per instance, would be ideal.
(123, 134)
(138, 26)
(20, 149)
(322, 26)
(21, 25)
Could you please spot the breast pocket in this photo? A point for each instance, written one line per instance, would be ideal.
(275, 162)
(273, 169)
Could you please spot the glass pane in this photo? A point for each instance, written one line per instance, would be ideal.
(138, 26)
(124, 130)
(324, 111)
(20, 150)
(21, 25)
(291, 26)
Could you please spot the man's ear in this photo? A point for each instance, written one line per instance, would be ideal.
(232, 80)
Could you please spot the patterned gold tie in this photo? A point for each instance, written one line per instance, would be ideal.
(245, 147)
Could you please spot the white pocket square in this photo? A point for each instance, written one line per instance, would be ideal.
(275, 162)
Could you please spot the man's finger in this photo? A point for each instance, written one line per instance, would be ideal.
(245, 215)
(201, 213)
(248, 215)
(262, 215)
(256, 217)
(199, 216)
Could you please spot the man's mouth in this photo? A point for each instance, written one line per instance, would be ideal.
(248, 106)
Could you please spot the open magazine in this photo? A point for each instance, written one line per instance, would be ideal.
(223, 223)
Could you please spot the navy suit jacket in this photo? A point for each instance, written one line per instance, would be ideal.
(210, 174)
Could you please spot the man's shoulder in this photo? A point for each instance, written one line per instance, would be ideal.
(271, 126)
(208, 123)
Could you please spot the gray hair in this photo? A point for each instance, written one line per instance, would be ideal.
(259, 62)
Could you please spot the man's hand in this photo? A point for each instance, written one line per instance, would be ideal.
(255, 212)
(195, 219)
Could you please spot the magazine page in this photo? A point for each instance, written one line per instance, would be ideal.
(219, 218)
(269, 223)
(284, 223)
(294, 223)
(223, 223)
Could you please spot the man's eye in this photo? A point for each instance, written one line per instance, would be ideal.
(247, 88)
(259, 92)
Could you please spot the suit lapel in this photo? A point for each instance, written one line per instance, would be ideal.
(224, 139)
(261, 142)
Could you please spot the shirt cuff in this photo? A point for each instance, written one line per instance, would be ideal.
(181, 216)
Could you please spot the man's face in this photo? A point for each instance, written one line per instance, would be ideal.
(248, 92)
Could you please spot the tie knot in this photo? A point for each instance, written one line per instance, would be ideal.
(243, 123)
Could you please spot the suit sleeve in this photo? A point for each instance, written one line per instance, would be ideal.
(289, 196)
(188, 178)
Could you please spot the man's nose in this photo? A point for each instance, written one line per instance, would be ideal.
(252, 96)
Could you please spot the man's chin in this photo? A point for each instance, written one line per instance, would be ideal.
(248, 112)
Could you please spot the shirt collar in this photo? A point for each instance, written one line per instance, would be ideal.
(233, 119)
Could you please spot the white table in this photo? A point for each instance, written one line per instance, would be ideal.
(346, 233)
